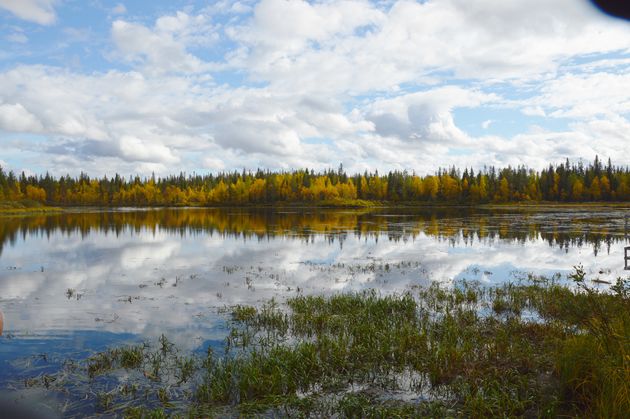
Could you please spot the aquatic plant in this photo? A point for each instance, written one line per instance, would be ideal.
(534, 348)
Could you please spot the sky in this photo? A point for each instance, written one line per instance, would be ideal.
(163, 86)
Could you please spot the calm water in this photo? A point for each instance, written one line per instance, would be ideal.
(75, 283)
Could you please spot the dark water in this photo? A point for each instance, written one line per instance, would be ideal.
(75, 283)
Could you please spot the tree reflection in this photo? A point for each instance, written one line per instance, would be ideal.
(458, 226)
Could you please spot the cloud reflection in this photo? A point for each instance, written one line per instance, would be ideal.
(166, 271)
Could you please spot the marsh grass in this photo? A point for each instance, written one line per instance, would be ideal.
(25, 207)
(533, 349)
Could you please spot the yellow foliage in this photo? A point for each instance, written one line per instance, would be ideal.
(35, 193)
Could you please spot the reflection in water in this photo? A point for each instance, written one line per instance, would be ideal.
(459, 225)
(1, 322)
(79, 280)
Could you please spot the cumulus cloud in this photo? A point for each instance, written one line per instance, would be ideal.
(156, 51)
(137, 149)
(16, 118)
(425, 116)
(38, 11)
(318, 22)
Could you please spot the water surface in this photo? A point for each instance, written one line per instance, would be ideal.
(78, 282)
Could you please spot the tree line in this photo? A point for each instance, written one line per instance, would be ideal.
(565, 182)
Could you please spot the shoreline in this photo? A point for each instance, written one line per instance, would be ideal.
(16, 209)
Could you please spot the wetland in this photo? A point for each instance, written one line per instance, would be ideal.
(297, 312)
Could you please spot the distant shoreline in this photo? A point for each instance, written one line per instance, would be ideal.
(17, 208)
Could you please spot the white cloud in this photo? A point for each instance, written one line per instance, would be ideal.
(121, 115)
(16, 118)
(38, 11)
(584, 95)
(240, 8)
(154, 52)
(614, 130)
(134, 149)
(163, 48)
(426, 116)
(123, 121)
(533, 111)
(361, 47)
(289, 25)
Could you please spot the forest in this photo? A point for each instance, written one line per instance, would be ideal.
(565, 182)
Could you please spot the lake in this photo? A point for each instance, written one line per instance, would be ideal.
(80, 281)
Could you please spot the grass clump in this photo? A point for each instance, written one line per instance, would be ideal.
(131, 357)
(594, 365)
(128, 357)
(470, 349)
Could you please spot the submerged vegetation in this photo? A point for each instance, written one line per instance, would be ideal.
(565, 182)
(534, 349)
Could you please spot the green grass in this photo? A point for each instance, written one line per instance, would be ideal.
(348, 203)
(25, 206)
(535, 349)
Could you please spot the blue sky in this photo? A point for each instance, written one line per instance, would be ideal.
(169, 86)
